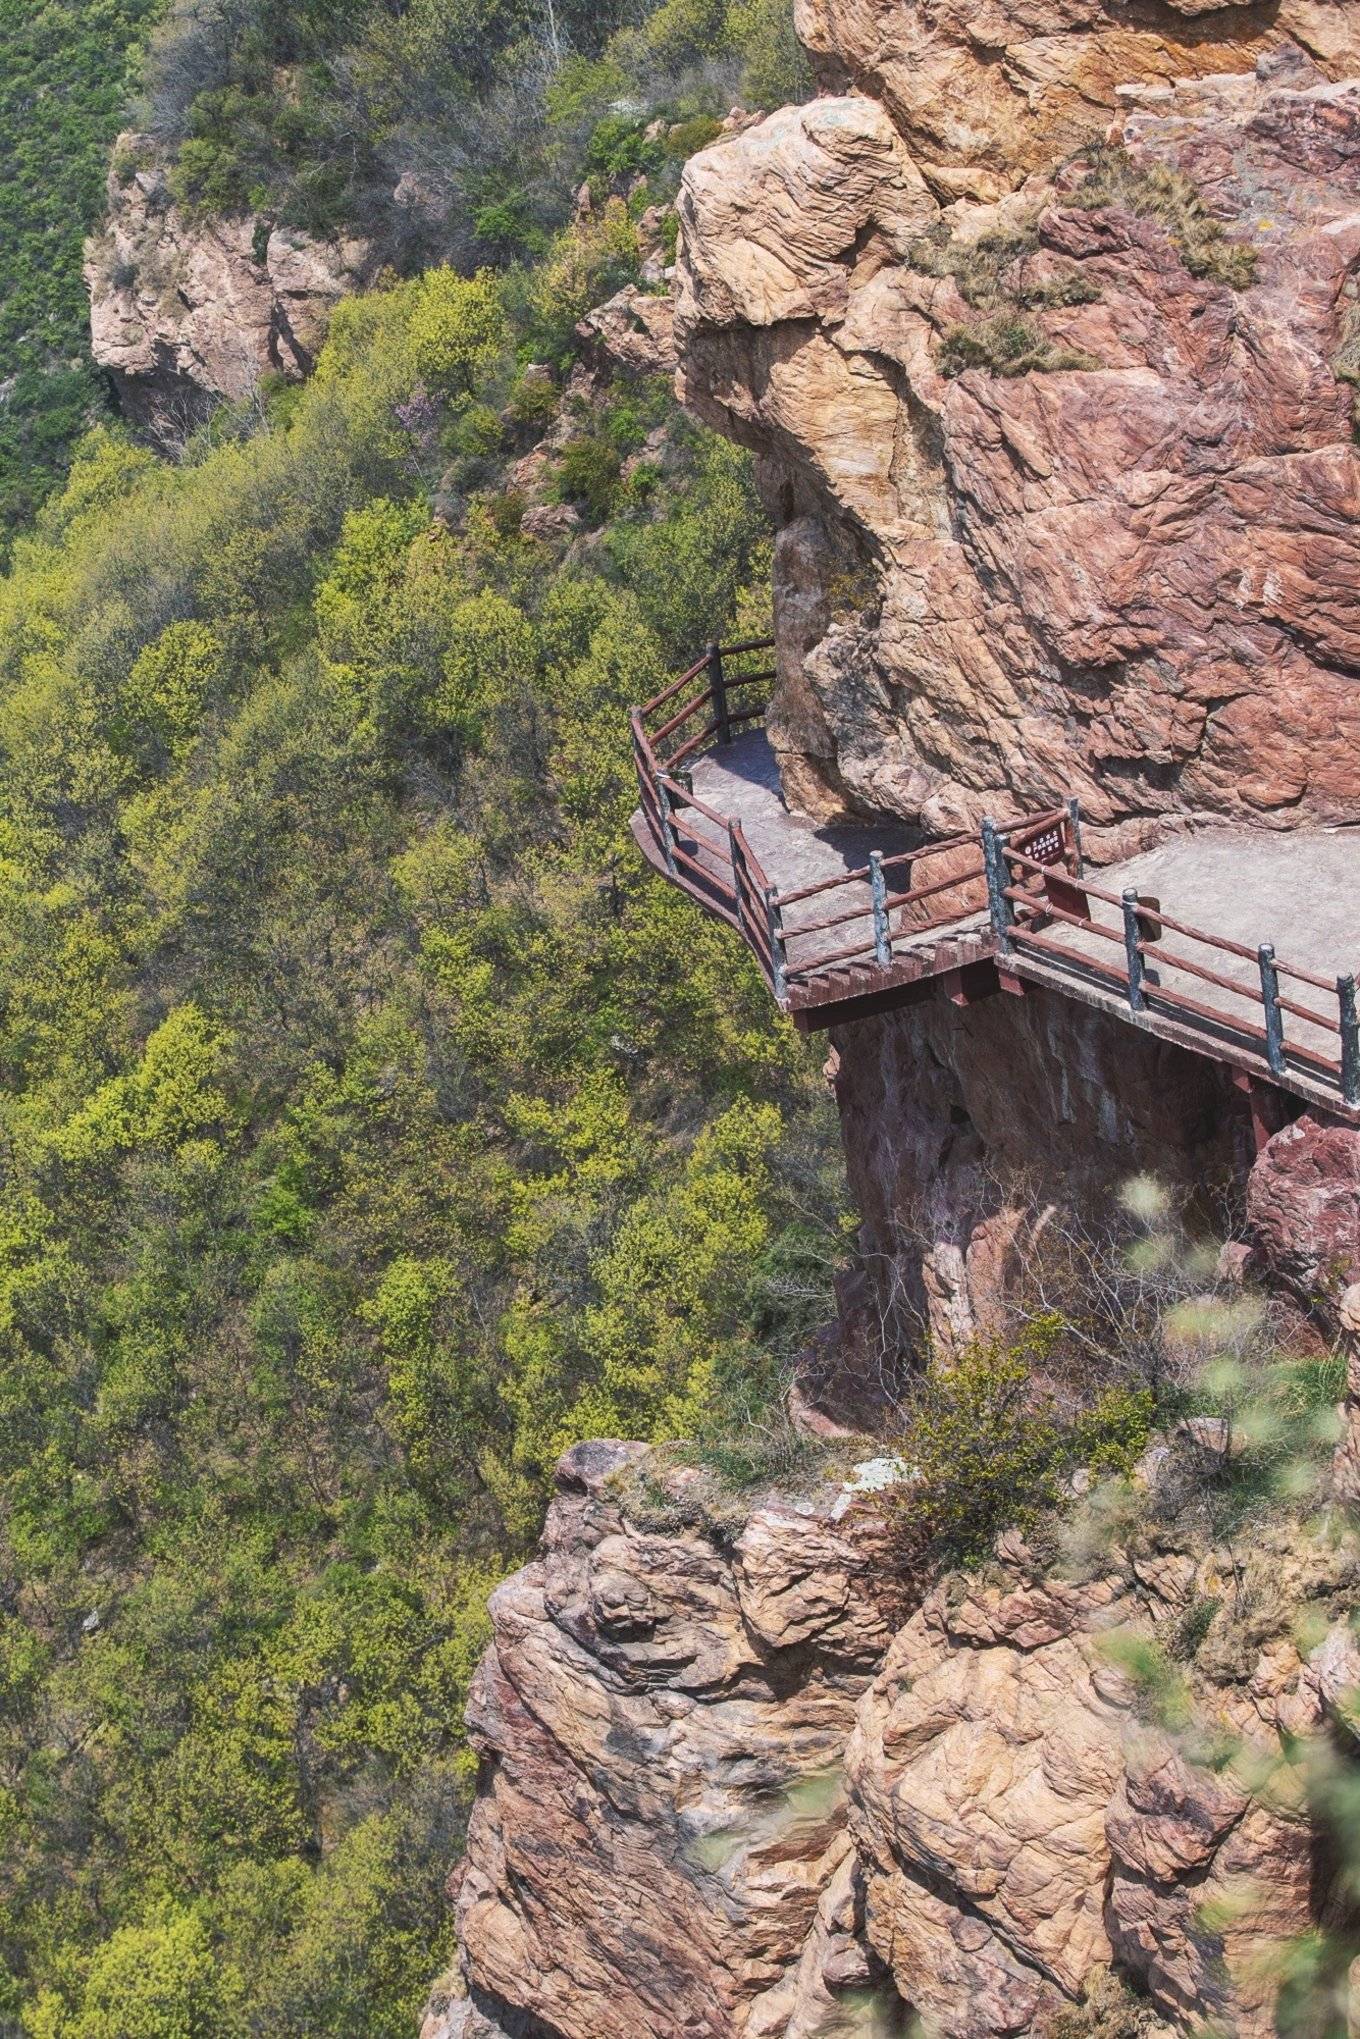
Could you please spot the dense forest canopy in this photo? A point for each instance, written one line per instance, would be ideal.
(66, 68)
(373, 1125)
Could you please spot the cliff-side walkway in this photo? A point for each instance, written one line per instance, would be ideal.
(1235, 943)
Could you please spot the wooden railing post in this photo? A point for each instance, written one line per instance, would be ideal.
(1350, 1040)
(1133, 935)
(1270, 998)
(779, 959)
(718, 688)
(663, 802)
(741, 883)
(639, 754)
(1074, 831)
(994, 863)
(878, 889)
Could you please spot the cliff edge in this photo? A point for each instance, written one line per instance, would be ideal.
(186, 312)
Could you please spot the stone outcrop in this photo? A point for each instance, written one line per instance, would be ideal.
(634, 331)
(185, 312)
(727, 1792)
(1062, 451)
(666, 1721)
(1303, 1206)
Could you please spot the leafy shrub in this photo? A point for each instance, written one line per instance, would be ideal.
(588, 471)
(587, 264)
(158, 1981)
(687, 137)
(505, 228)
(619, 148)
(987, 1451)
(458, 328)
(533, 401)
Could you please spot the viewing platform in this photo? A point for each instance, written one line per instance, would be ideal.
(846, 921)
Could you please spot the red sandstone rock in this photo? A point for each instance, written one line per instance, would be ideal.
(1303, 1207)
(703, 1814)
(1132, 574)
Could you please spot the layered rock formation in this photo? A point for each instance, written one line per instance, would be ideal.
(727, 1790)
(1062, 450)
(1043, 324)
(186, 312)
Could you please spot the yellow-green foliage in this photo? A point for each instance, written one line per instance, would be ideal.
(457, 329)
(373, 1127)
(987, 1447)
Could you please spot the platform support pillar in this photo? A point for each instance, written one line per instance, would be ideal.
(1133, 954)
(1074, 835)
(1350, 1040)
(717, 685)
(779, 957)
(999, 907)
(663, 810)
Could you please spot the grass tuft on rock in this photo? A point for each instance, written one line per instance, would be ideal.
(1007, 345)
(1169, 196)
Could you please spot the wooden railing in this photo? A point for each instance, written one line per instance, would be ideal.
(723, 692)
(1020, 888)
(1138, 941)
(864, 917)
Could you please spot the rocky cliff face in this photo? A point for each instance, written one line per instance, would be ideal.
(1061, 444)
(969, 1132)
(1042, 322)
(728, 1789)
(186, 312)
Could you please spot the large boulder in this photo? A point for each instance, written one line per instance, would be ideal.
(728, 1792)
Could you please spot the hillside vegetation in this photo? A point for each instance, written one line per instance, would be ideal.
(65, 73)
(373, 1128)
(445, 130)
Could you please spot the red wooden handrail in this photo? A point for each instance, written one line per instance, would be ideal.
(1026, 893)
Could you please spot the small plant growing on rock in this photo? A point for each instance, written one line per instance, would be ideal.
(1007, 345)
(989, 272)
(989, 1450)
(1108, 2010)
(1159, 193)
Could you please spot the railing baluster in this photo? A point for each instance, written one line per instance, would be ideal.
(878, 889)
(994, 861)
(663, 801)
(774, 921)
(1350, 1040)
(1133, 935)
(1270, 998)
(718, 687)
(1074, 830)
(738, 871)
